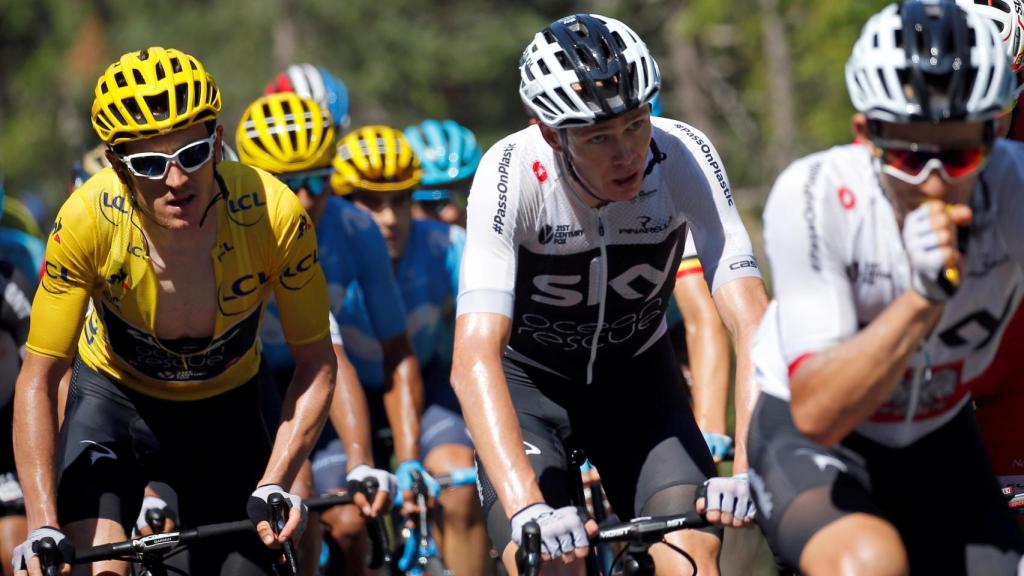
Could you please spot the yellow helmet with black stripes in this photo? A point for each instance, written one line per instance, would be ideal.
(151, 92)
(285, 132)
(375, 158)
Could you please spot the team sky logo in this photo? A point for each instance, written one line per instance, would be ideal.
(247, 209)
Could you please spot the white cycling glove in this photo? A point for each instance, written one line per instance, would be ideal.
(730, 495)
(386, 481)
(148, 503)
(927, 262)
(561, 531)
(23, 552)
(259, 509)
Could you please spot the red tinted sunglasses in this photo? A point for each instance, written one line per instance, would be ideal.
(913, 163)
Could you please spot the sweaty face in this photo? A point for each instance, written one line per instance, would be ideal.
(946, 136)
(610, 156)
(176, 201)
(392, 211)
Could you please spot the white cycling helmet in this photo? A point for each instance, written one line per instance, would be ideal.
(929, 61)
(1009, 18)
(585, 68)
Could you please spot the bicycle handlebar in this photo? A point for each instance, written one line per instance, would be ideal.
(649, 529)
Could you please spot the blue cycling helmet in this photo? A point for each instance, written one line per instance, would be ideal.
(315, 83)
(656, 105)
(449, 155)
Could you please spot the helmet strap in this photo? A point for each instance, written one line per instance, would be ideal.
(563, 136)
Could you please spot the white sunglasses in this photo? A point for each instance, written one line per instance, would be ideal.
(154, 165)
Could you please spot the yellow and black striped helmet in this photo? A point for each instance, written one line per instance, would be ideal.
(285, 132)
(152, 92)
(375, 158)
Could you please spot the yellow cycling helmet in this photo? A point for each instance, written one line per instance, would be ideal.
(151, 92)
(285, 132)
(376, 158)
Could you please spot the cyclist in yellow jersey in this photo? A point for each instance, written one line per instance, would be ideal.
(179, 253)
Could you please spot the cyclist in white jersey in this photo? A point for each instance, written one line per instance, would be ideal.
(575, 231)
(896, 263)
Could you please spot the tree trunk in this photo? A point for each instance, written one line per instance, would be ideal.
(781, 90)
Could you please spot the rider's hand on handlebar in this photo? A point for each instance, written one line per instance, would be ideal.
(386, 485)
(149, 503)
(26, 562)
(259, 512)
(406, 497)
(561, 531)
(728, 501)
(718, 444)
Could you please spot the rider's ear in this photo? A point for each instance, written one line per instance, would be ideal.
(118, 166)
(551, 137)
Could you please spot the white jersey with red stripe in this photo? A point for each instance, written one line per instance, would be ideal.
(838, 261)
(575, 279)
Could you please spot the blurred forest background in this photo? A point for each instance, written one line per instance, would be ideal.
(764, 78)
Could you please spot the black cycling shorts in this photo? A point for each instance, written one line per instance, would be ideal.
(940, 493)
(213, 452)
(634, 424)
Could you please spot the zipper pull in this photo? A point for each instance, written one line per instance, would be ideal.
(600, 225)
(927, 367)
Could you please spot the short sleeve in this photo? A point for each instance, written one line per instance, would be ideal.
(69, 272)
(299, 285)
(815, 298)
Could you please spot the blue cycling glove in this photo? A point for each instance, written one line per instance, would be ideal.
(719, 444)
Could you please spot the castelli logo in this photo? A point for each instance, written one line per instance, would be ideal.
(540, 172)
(846, 198)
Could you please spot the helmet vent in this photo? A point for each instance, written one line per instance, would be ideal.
(160, 71)
(138, 77)
(119, 78)
(618, 40)
(543, 67)
(565, 98)
(158, 106)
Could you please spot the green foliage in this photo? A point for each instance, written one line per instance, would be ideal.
(404, 61)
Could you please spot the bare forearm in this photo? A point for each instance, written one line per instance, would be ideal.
(746, 397)
(35, 440)
(741, 304)
(709, 365)
(835, 390)
(302, 418)
(403, 403)
(350, 414)
(480, 384)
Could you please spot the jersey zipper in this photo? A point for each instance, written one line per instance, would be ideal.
(602, 293)
(922, 377)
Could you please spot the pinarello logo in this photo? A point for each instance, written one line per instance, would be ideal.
(540, 172)
(846, 198)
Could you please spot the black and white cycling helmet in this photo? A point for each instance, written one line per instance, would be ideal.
(1008, 16)
(929, 61)
(585, 68)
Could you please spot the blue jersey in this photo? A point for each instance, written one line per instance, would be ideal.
(428, 275)
(352, 253)
(23, 250)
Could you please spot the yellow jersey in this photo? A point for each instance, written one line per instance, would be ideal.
(266, 245)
